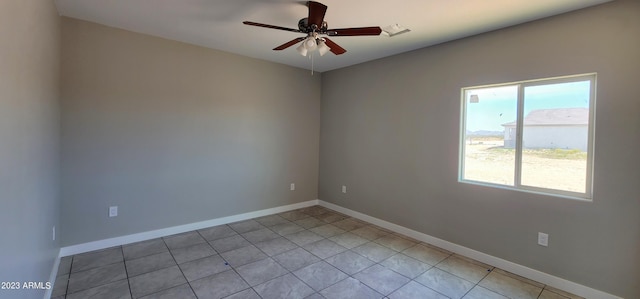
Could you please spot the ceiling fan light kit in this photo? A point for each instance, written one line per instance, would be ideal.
(313, 43)
(315, 25)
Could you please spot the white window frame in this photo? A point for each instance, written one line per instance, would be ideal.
(588, 194)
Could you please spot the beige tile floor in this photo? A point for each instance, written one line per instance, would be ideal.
(308, 253)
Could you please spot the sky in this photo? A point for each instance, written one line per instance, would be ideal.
(498, 105)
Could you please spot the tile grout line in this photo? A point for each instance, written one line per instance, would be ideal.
(234, 268)
(470, 289)
(126, 271)
(428, 287)
(288, 271)
(66, 290)
(323, 260)
(177, 265)
(348, 249)
(89, 269)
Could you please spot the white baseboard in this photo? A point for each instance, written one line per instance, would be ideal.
(52, 276)
(148, 235)
(527, 272)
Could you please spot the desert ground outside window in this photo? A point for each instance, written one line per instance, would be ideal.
(534, 136)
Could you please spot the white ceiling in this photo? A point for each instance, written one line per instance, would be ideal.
(217, 24)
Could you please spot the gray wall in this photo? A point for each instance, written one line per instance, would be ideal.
(174, 134)
(29, 138)
(390, 132)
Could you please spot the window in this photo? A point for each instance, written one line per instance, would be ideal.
(532, 136)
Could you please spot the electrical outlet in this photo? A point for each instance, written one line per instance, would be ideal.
(543, 239)
(293, 187)
(113, 211)
(53, 233)
(344, 189)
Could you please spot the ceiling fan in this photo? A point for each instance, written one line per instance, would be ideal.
(314, 25)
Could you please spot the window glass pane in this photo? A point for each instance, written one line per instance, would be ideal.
(489, 149)
(555, 136)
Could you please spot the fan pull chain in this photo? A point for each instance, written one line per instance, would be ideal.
(311, 55)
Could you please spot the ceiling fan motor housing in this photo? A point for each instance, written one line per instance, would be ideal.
(304, 26)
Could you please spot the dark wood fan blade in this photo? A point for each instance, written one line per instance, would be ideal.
(354, 31)
(270, 26)
(335, 49)
(316, 13)
(289, 44)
